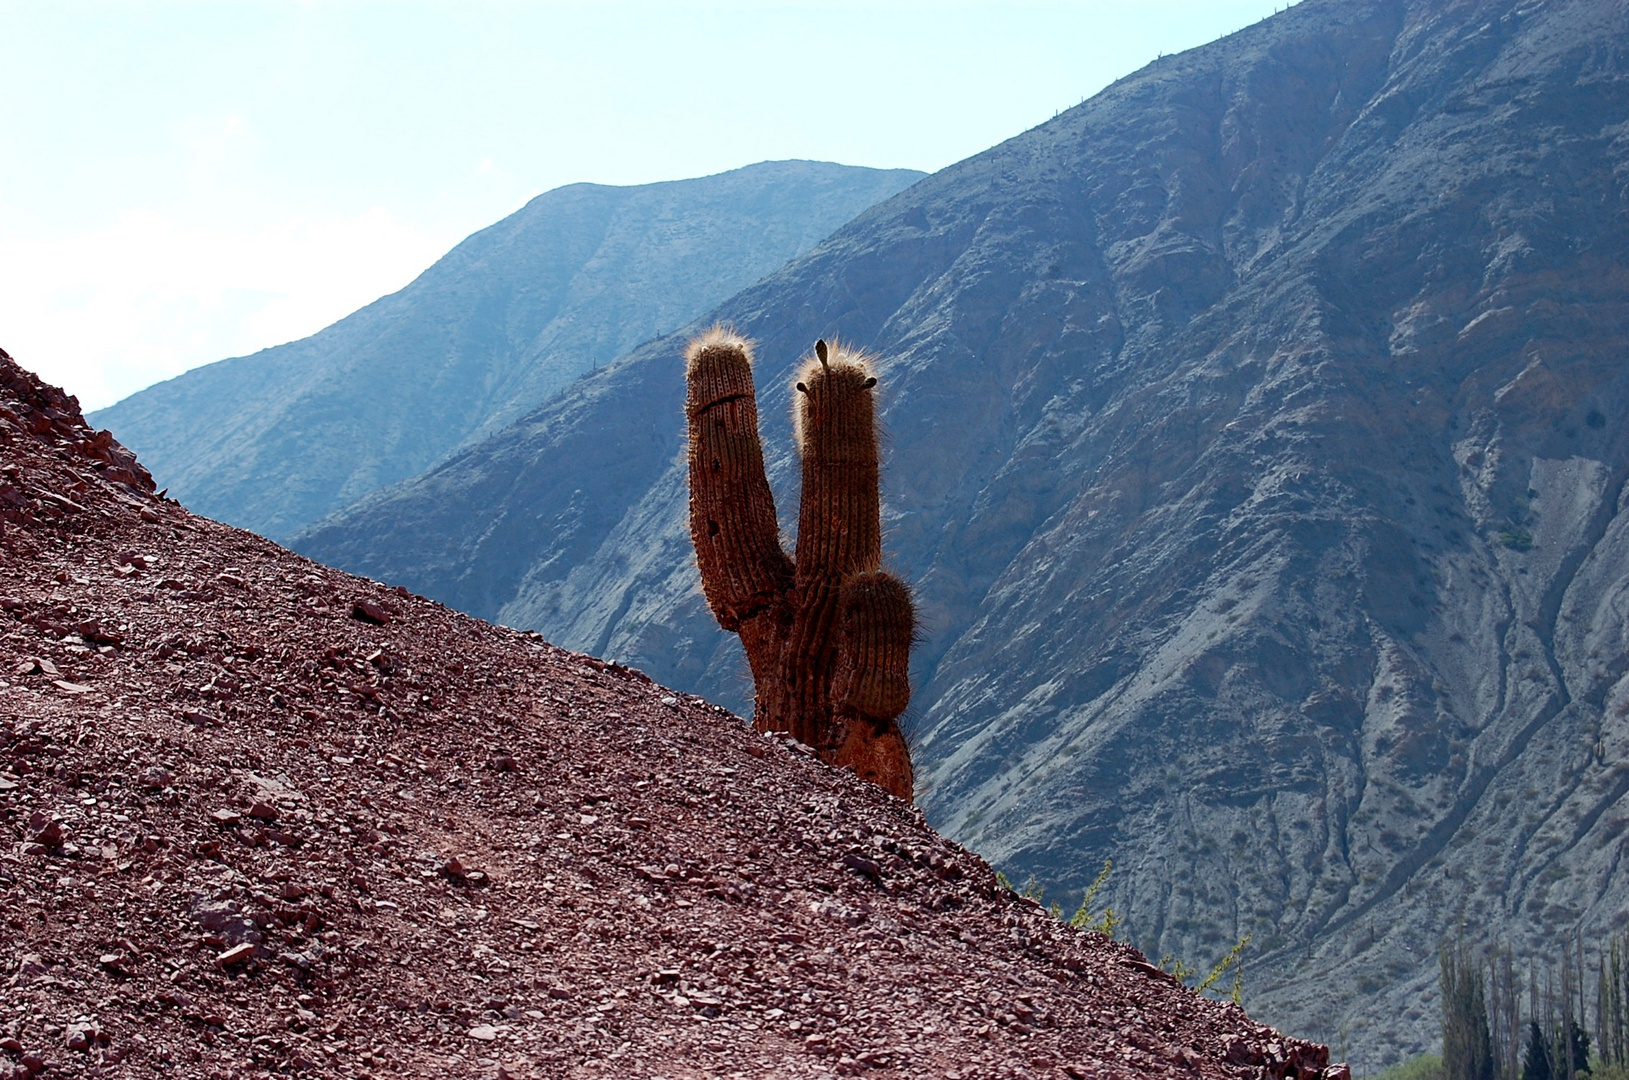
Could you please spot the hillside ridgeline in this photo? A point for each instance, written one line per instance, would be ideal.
(273, 441)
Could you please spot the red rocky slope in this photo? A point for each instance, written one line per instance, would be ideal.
(264, 816)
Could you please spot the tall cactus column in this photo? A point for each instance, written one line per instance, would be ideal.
(828, 637)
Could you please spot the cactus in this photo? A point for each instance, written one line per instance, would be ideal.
(828, 633)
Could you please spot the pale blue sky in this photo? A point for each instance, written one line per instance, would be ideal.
(188, 181)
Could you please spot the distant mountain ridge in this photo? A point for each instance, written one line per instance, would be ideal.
(580, 275)
(1258, 455)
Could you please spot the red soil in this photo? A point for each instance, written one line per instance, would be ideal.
(260, 816)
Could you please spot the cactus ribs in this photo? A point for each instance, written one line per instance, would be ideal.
(828, 634)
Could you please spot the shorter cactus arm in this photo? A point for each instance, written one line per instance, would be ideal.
(877, 628)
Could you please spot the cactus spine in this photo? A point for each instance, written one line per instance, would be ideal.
(827, 635)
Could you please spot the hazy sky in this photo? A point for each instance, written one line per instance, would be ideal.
(184, 182)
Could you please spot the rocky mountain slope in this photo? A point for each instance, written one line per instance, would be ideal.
(576, 278)
(1258, 456)
(263, 816)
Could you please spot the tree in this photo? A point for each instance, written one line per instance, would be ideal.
(1579, 1038)
(1536, 1055)
(1467, 1048)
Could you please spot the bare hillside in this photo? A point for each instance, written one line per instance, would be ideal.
(265, 817)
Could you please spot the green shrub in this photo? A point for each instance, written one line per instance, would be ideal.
(1083, 918)
(1424, 1067)
(1516, 538)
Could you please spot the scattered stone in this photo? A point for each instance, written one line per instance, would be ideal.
(863, 866)
(369, 612)
(29, 967)
(263, 811)
(95, 634)
(81, 1034)
(155, 778)
(70, 687)
(484, 1033)
(236, 955)
(44, 831)
(227, 817)
(227, 921)
(61, 500)
(456, 869)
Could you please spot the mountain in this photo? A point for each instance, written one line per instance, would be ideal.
(576, 278)
(1258, 457)
(270, 818)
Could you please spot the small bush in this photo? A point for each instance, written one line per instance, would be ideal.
(1516, 539)
(1424, 1067)
(1083, 919)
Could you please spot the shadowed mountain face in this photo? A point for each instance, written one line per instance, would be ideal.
(1258, 455)
(582, 274)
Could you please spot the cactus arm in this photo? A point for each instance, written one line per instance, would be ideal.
(872, 676)
(745, 574)
(839, 516)
(733, 525)
(871, 685)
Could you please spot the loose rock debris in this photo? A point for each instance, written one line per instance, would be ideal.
(259, 817)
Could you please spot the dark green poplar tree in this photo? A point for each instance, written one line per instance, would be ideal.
(1537, 1056)
(1467, 1047)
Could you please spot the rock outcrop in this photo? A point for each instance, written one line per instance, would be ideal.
(580, 275)
(1258, 457)
(263, 817)
(35, 410)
